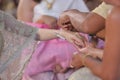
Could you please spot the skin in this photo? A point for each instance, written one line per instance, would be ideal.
(109, 68)
(72, 37)
(69, 18)
(25, 13)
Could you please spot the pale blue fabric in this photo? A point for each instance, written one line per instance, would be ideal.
(83, 74)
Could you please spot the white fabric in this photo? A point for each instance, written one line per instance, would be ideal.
(83, 74)
(58, 7)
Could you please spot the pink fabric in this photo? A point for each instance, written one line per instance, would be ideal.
(47, 55)
(38, 25)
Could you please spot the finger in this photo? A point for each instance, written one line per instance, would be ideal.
(79, 42)
(84, 40)
(65, 27)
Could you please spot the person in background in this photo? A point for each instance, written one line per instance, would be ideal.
(9, 6)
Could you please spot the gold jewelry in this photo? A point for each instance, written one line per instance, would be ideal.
(49, 4)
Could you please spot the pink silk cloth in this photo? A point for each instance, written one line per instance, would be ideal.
(48, 54)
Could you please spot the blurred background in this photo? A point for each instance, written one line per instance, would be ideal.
(10, 6)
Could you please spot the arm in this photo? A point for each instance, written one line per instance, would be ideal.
(25, 12)
(83, 22)
(112, 46)
(15, 26)
(73, 37)
(109, 68)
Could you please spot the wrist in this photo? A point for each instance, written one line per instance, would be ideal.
(59, 34)
(84, 56)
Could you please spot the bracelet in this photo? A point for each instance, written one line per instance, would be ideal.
(59, 36)
(83, 58)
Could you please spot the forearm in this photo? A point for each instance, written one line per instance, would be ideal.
(94, 65)
(97, 53)
(77, 19)
(88, 23)
(15, 26)
(46, 34)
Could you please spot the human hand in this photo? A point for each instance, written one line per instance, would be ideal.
(76, 60)
(92, 51)
(74, 37)
(49, 20)
(64, 20)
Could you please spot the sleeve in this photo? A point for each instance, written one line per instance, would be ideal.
(15, 26)
(102, 10)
